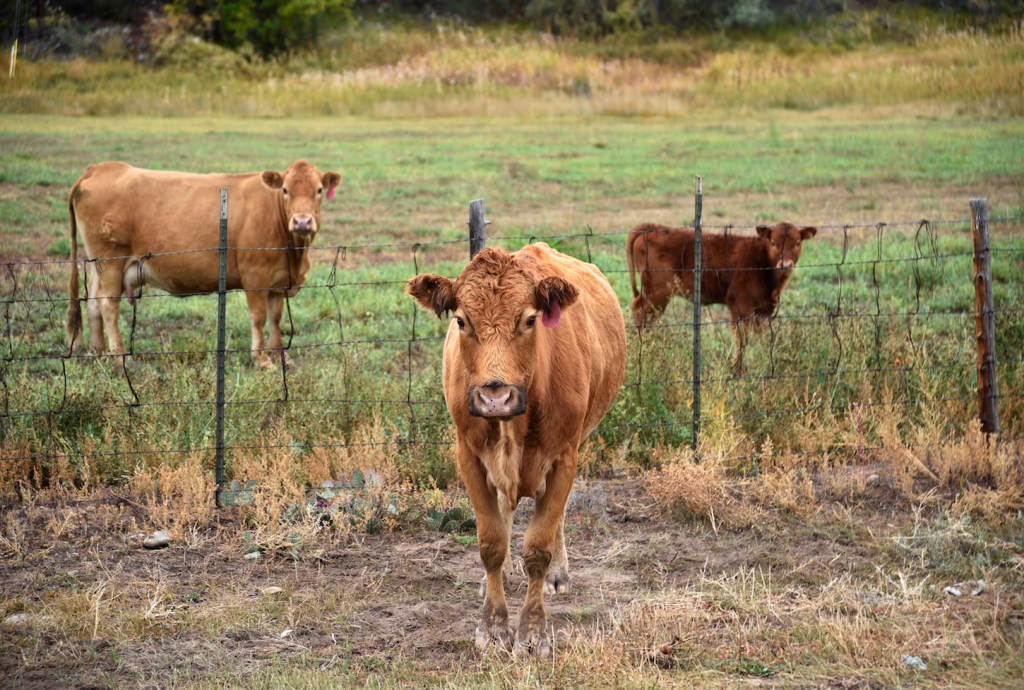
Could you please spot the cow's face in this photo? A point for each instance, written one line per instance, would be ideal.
(498, 306)
(784, 242)
(302, 188)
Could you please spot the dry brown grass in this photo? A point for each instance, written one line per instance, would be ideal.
(178, 498)
(702, 488)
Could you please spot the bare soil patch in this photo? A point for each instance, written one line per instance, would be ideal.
(92, 608)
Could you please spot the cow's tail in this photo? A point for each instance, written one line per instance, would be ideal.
(74, 322)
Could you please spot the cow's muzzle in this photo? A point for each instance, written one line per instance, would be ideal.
(303, 224)
(497, 401)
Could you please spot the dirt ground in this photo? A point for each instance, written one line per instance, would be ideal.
(85, 606)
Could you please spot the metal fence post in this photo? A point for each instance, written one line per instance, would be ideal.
(984, 320)
(222, 298)
(698, 203)
(477, 227)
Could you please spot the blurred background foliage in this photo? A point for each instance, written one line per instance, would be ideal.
(262, 29)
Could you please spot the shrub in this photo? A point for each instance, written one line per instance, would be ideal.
(270, 27)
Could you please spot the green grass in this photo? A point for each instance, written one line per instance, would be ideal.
(407, 182)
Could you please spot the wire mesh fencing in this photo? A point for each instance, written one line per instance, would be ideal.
(877, 323)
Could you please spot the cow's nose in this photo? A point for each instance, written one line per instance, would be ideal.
(786, 264)
(302, 223)
(497, 400)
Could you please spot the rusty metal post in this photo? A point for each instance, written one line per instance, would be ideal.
(477, 227)
(222, 296)
(984, 320)
(698, 203)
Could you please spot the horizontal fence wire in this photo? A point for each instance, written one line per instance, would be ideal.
(877, 316)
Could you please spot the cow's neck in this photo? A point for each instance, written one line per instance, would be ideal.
(502, 456)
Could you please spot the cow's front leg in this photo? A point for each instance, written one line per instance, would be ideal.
(493, 535)
(740, 315)
(257, 300)
(507, 510)
(275, 302)
(557, 580)
(540, 548)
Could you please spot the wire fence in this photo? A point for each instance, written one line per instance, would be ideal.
(877, 321)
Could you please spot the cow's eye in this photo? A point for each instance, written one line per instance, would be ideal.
(530, 320)
(320, 191)
(458, 320)
(284, 191)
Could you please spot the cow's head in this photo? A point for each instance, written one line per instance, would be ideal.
(499, 304)
(784, 243)
(302, 188)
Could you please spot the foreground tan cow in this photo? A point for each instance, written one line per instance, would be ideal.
(747, 274)
(144, 226)
(534, 357)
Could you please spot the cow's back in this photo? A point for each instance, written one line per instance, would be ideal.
(173, 218)
(597, 326)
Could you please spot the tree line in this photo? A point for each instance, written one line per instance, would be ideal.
(272, 27)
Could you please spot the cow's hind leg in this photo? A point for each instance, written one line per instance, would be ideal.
(92, 305)
(107, 298)
(539, 553)
(493, 535)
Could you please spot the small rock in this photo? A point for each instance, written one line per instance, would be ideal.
(873, 479)
(287, 632)
(25, 620)
(157, 540)
(270, 591)
(914, 662)
(253, 556)
(17, 620)
(975, 587)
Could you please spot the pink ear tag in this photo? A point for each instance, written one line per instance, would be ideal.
(330, 193)
(552, 314)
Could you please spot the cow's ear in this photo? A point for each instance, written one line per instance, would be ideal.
(433, 292)
(272, 179)
(551, 296)
(808, 232)
(330, 180)
(764, 231)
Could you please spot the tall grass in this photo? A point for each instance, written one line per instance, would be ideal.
(449, 70)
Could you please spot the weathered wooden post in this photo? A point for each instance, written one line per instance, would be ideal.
(984, 320)
(698, 203)
(477, 227)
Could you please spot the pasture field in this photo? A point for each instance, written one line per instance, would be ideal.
(839, 487)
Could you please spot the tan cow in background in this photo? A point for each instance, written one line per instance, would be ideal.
(534, 357)
(163, 228)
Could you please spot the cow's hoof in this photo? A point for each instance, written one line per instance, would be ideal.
(538, 646)
(557, 581)
(502, 635)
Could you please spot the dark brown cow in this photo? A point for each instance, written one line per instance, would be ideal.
(747, 274)
(534, 357)
(162, 228)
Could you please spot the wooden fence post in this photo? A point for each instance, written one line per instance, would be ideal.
(984, 320)
(477, 227)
